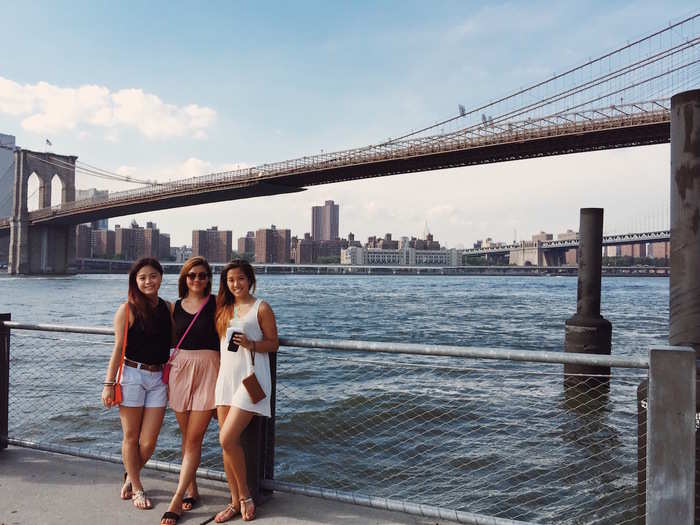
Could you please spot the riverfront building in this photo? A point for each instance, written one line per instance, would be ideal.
(103, 244)
(246, 246)
(98, 195)
(273, 245)
(407, 252)
(128, 242)
(7, 159)
(213, 244)
(405, 256)
(325, 222)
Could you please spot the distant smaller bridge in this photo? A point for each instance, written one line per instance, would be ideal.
(608, 240)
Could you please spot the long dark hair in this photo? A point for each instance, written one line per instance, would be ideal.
(225, 300)
(190, 263)
(141, 306)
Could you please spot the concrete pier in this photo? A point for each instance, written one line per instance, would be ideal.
(45, 488)
(684, 285)
(587, 331)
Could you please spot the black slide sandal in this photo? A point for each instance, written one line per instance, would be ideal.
(170, 516)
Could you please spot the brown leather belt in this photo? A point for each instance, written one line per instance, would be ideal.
(143, 366)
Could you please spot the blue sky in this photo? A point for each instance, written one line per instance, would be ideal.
(201, 87)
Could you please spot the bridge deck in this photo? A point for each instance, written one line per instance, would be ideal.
(590, 130)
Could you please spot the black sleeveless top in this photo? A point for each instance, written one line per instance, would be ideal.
(151, 345)
(202, 335)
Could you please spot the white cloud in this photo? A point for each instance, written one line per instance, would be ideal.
(49, 109)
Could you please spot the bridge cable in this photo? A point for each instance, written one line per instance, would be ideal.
(587, 85)
(103, 174)
(542, 83)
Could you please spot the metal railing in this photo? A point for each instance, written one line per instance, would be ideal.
(469, 434)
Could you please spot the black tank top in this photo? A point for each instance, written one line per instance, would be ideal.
(151, 345)
(202, 335)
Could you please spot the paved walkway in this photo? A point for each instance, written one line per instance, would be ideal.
(38, 488)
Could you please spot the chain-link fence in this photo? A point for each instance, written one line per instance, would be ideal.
(500, 439)
(55, 397)
(496, 438)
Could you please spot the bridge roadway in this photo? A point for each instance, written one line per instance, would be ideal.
(636, 124)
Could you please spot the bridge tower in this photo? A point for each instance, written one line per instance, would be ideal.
(40, 248)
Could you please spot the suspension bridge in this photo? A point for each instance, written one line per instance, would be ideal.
(620, 99)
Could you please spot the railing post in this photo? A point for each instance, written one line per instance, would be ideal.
(4, 380)
(670, 487)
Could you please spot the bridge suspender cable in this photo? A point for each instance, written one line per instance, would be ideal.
(95, 172)
(542, 83)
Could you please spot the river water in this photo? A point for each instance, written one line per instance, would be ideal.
(493, 437)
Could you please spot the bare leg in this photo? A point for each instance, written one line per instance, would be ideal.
(196, 422)
(230, 438)
(182, 420)
(141, 427)
(131, 428)
(232, 509)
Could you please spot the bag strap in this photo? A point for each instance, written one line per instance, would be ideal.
(252, 354)
(177, 347)
(126, 331)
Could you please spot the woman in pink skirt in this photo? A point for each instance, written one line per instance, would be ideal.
(195, 366)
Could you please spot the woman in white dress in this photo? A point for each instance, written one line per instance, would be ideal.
(248, 332)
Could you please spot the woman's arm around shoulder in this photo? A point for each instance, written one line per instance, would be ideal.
(268, 325)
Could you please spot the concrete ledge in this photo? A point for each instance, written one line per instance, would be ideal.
(44, 488)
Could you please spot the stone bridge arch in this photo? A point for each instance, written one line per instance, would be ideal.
(44, 248)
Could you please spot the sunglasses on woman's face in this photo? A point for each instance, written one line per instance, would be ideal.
(202, 276)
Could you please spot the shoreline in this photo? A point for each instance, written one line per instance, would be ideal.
(381, 271)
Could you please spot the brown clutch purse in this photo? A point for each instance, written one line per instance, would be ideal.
(252, 385)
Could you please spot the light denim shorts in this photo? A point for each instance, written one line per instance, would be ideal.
(141, 388)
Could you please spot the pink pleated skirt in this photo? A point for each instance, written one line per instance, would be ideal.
(193, 380)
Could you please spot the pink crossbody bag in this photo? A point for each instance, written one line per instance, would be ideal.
(168, 365)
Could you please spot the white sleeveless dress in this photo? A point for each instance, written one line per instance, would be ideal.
(235, 366)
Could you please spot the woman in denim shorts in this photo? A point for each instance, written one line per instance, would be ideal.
(149, 339)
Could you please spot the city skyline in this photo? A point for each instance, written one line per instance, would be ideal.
(151, 121)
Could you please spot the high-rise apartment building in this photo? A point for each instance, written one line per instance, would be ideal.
(83, 241)
(306, 250)
(213, 244)
(103, 244)
(151, 240)
(7, 179)
(246, 245)
(164, 246)
(325, 222)
(129, 242)
(273, 245)
(98, 195)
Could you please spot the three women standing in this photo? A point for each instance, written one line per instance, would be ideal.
(239, 327)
